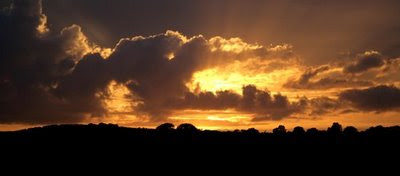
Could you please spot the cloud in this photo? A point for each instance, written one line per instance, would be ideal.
(305, 77)
(262, 104)
(370, 68)
(82, 89)
(379, 99)
(323, 105)
(144, 65)
(33, 60)
(221, 100)
(315, 28)
(48, 76)
(366, 61)
(310, 79)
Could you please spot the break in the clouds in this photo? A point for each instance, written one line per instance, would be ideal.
(56, 71)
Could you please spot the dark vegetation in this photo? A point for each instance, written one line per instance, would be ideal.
(188, 135)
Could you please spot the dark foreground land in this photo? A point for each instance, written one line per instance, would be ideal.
(188, 135)
(187, 147)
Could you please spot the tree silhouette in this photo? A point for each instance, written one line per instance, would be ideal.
(186, 128)
(279, 130)
(350, 130)
(312, 132)
(251, 131)
(166, 127)
(335, 129)
(299, 130)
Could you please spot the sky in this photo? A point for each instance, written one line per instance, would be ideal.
(224, 64)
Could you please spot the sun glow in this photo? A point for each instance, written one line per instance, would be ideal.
(170, 56)
(213, 119)
(234, 76)
(235, 45)
(118, 100)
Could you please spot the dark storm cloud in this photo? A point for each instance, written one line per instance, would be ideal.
(323, 105)
(143, 65)
(305, 77)
(220, 100)
(365, 62)
(379, 99)
(158, 82)
(82, 88)
(262, 104)
(269, 107)
(308, 81)
(32, 61)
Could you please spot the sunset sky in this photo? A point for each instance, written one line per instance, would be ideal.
(218, 64)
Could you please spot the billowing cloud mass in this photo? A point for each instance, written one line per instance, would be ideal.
(262, 103)
(379, 99)
(156, 69)
(45, 76)
(32, 61)
(323, 105)
(315, 28)
(59, 71)
(310, 80)
(364, 62)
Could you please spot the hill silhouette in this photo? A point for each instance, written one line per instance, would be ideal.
(188, 135)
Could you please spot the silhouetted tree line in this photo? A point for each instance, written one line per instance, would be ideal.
(187, 134)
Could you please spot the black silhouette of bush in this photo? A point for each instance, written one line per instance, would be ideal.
(280, 130)
(335, 129)
(350, 131)
(299, 131)
(312, 132)
(166, 127)
(186, 128)
(251, 131)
